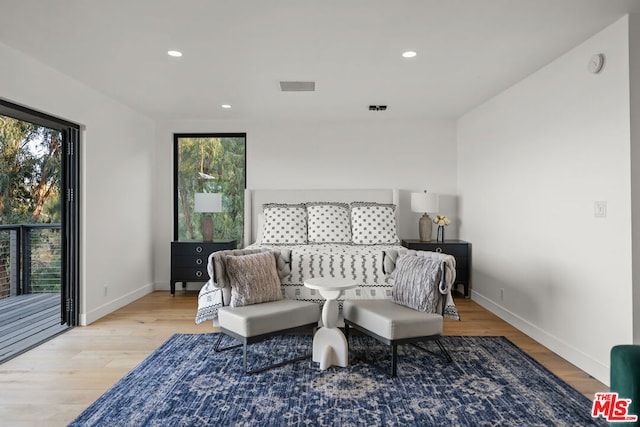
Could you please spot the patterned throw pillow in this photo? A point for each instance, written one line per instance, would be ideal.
(253, 278)
(373, 224)
(328, 222)
(284, 224)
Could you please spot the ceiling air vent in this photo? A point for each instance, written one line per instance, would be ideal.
(377, 107)
(297, 86)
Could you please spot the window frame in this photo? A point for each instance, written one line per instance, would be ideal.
(176, 139)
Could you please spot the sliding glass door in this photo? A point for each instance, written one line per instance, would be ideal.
(38, 227)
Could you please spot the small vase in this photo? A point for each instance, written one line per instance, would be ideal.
(440, 235)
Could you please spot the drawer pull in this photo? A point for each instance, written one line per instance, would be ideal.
(199, 261)
(198, 273)
(439, 249)
(198, 249)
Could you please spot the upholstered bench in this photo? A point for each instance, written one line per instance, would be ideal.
(257, 322)
(393, 324)
(253, 306)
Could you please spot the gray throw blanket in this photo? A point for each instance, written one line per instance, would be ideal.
(418, 280)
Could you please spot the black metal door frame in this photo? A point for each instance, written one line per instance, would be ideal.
(70, 235)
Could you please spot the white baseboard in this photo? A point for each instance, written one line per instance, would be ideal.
(111, 306)
(583, 361)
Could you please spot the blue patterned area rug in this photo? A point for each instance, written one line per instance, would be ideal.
(490, 382)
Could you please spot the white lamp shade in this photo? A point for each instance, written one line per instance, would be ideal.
(208, 202)
(425, 202)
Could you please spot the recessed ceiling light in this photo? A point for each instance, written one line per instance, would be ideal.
(227, 106)
(174, 53)
(409, 54)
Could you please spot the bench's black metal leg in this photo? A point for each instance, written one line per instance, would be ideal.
(444, 350)
(394, 360)
(244, 356)
(440, 345)
(346, 335)
(217, 347)
(246, 341)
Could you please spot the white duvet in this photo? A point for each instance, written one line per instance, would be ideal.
(362, 263)
(365, 264)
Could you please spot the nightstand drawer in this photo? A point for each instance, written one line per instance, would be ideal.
(189, 261)
(191, 248)
(196, 274)
(455, 249)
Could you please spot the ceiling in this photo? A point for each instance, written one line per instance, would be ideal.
(236, 52)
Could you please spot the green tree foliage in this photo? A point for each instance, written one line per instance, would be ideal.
(30, 173)
(211, 165)
(30, 178)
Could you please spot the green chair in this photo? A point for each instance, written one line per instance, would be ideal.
(625, 377)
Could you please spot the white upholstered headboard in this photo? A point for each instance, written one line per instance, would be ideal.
(254, 199)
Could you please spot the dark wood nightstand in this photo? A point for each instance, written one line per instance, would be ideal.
(459, 249)
(189, 260)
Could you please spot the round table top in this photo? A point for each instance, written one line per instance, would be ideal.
(330, 283)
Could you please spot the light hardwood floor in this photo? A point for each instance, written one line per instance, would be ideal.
(52, 384)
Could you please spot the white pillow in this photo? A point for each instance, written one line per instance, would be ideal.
(328, 222)
(284, 224)
(373, 224)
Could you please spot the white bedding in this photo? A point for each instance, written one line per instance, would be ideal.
(362, 263)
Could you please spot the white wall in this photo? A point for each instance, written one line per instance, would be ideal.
(117, 155)
(409, 155)
(531, 163)
(634, 72)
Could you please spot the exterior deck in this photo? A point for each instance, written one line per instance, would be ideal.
(27, 320)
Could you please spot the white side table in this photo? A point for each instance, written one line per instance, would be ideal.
(329, 343)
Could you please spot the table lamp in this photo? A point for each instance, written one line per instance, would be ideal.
(425, 203)
(207, 203)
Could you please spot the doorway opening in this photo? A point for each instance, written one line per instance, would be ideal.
(39, 228)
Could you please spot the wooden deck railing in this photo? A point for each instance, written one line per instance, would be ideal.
(30, 259)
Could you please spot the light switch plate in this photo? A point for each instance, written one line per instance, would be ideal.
(600, 209)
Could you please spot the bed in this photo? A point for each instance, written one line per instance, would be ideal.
(340, 233)
(327, 253)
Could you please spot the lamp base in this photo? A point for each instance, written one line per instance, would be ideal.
(207, 228)
(424, 228)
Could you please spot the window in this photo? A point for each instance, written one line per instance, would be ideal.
(213, 164)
